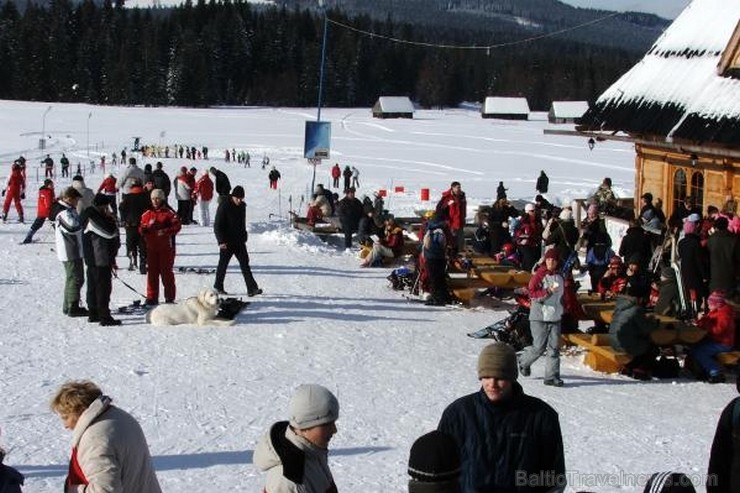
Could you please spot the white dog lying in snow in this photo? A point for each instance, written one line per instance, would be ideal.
(200, 310)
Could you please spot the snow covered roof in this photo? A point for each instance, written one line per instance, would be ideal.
(677, 90)
(394, 104)
(503, 105)
(569, 109)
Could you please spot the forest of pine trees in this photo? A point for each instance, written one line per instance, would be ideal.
(231, 53)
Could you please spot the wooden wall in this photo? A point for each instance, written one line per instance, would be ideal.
(656, 168)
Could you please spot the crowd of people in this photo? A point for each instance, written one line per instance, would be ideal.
(86, 229)
(497, 438)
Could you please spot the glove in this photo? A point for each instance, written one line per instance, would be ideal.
(3, 192)
(23, 196)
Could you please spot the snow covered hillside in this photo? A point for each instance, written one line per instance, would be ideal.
(205, 395)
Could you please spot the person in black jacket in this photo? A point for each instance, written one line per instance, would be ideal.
(222, 184)
(349, 210)
(10, 479)
(161, 180)
(694, 265)
(508, 441)
(100, 243)
(723, 475)
(230, 227)
(636, 242)
(543, 182)
(133, 205)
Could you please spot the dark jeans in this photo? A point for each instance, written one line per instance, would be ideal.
(35, 226)
(184, 211)
(99, 287)
(135, 246)
(437, 280)
(239, 251)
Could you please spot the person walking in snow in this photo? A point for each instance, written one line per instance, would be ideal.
(43, 208)
(347, 174)
(183, 192)
(159, 225)
(230, 228)
(336, 173)
(133, 206)
(222, 184)
(14, 191)
(161, 179)
(265, 161)
(294, 452)
(48, 163)
(501, 191)
(64, 161)
(355, 178)
(452, 208)
(68, 246)
(546, 289)
(204, 195)
(109, 449)
(543, 183)
(503, 434)
(274, 176)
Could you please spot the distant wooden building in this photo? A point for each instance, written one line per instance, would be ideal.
(505, 108)
(567, 111)
(393, 107)
(681, 106)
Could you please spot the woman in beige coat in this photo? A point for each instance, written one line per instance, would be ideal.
(109, 450)
(294, 453)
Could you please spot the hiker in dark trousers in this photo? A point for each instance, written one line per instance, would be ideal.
(230, 227)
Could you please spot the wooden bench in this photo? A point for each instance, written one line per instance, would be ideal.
(600, 356)
(466, 288)
(729, 359)
(670, 329)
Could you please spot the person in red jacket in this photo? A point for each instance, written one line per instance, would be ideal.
(14, 191)
(43, 208)
(204, 194)
(720, 326)
(452, 208)
(159, 225)
(336, 173)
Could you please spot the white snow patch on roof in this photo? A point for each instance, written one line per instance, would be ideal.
(503, 105)
(395, 104)
(692, 82)
(569, 109)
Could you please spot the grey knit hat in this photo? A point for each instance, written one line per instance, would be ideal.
(498, 360)
(312, 405)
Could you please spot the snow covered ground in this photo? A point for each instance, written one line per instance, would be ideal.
(205, 395)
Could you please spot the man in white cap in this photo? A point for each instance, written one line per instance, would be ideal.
(508, 441)
(294, 453)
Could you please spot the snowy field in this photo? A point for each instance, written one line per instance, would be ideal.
(205, 395)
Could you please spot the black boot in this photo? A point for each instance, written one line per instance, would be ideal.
(109, 321)
(77, 311)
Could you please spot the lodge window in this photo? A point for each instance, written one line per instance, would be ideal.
(682, 187)
(679, 188)
(697, 189)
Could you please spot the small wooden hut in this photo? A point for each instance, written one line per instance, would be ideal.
(505, 108)
(393, 107)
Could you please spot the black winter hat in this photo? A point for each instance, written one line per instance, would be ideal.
(238, 192)
(434, 458)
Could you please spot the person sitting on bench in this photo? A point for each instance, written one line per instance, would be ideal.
(630, 332)
(720, 326)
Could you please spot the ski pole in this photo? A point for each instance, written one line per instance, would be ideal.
(115, 274)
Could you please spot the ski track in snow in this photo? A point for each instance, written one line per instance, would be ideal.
(204, 395)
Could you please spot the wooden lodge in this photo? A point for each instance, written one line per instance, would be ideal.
(681, 106)
(393, 107)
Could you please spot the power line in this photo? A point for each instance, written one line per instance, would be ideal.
(471, 47)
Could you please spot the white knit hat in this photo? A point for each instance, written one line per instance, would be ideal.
(312, 405)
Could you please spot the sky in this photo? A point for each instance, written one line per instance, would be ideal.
(668, 9)
(204, 395)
